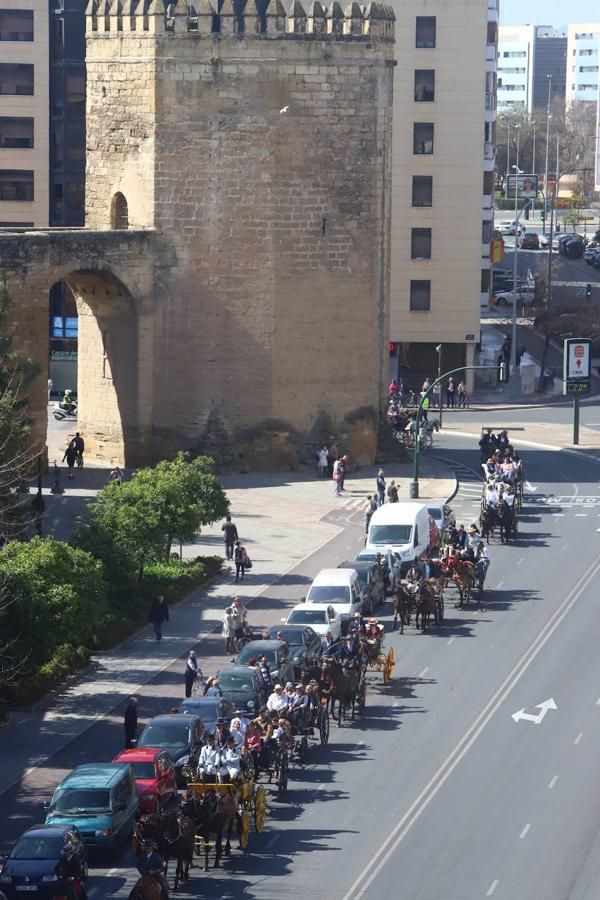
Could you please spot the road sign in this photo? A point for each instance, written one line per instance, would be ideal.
(576, 366)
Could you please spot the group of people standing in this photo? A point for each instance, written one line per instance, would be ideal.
(234, 549)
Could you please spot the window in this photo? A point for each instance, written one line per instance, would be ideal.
(420, 296)
(488, 182)
(486, 232)
(64, 326)
(16, 78)
(119, 216)
(16, 25)
(420, 243)
(76, 93)
(422, 190)
(16, 184)
(423, 137)
(16, 132)
(425, 31)
(588, 68)
(485, 280)
(514, 54)
(585, 52)
(424, 85)
(75, 141)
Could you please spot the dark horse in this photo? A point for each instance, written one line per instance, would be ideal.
(213, 812)
(345, 685)
(508, 522)
(425, 604)
(179, 835)
(146, 888)
(403, 605)
(489, 520)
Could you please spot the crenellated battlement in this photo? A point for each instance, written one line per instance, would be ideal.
(262, 19)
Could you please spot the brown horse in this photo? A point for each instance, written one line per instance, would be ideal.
(147, 888)
(213, 812)
(425, 604)
(463, 576)
(403, 605)
(178, 840)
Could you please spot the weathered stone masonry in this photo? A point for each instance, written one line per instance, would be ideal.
(254, 151)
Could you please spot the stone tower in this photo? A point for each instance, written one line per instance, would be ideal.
(255, 144)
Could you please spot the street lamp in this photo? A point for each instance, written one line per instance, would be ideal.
(439, 375)
(548, 117)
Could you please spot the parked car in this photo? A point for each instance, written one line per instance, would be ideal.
(523, 294)
(388, 560)
(405, 528)
(154, 775)
(566, 240)
(574, 249)
(339, 588)
(181, 736)
(242, 686)
(100, 800)
(529, 240)
(304, 644)
(277, 654)
(596, 261)
(321, 617)
(30, 867)
(590, 251)
(443, 517)
(371, 580)
(210, 710)
(508, 226)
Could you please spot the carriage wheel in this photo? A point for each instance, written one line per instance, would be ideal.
(282, 776)
(324, 727)
(244, 826)
(388, 667)
(260, 808)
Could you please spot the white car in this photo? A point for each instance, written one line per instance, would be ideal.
(321, 617)
(509, 226)
(524, 294)
(340, 588)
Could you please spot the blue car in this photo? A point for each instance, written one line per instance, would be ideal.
(30, 868)
(100, 800)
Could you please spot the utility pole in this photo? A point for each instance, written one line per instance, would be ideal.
(548, 117)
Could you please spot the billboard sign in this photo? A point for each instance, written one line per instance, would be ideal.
(576, 366)
(526, 186)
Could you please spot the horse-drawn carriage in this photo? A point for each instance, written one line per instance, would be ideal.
(247, 803)
(371, 645)
(425, 598)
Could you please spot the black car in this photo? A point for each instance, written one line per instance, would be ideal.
(243, 687)
(30, 868)
(182, 736)
(370, 575)
(304, 644)
(278, 658)
(210, 710)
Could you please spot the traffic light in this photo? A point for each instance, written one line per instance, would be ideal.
(393, 348)
(502, 372)
(588, 291)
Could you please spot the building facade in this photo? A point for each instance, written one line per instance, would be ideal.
(24, 127)
(527, 56)
(442, 182)
(583, 61)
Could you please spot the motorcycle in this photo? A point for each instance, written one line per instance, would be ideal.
(61, 412)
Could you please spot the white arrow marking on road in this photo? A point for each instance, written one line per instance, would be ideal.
(543, 707)
(530, 487)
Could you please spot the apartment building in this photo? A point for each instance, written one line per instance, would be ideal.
(23, 112)
(583, 46)
(527, 55)
(442, 181)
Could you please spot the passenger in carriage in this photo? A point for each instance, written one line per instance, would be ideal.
(209, 762)
(490, 496)
(231, 764)
(461, 538)
(473, 538)
(236, 734)
(349, 654)
(301, 703)
(502, 442)
(373, 630)
(508, 495)
(278, 701)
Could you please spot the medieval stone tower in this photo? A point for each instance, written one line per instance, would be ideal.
(256, 143)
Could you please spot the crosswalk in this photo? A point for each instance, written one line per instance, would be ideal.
(467, 501)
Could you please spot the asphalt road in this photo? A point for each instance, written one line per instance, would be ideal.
(436, 793)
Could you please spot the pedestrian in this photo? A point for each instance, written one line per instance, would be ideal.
(336, 478)
(462, 395)
(50, 386)
(71, 458)
(401, 389)
(370, 507)
(342, 470)
(322, 461)
(450, 391)
(392, 492)
(380, 488)
(38, 507)
(230, 534)
(265, 672)
(191, 672)
(130, 720)
(393, 388)
(159, 613)
(425, 407)
(116, 476)
(241, 560)
(333, 455)
(79, 445)
(426, 385)
(213, 689)
(229, 625)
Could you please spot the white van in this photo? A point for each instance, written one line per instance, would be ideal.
(406, 529)
(339, 588)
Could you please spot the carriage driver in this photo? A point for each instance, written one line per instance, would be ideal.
(149, 862)
(209, 763)
(373, 630)
(349, 654)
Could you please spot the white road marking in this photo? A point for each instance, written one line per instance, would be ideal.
(349, 547)
(581, 515)
(492, 887)
(424, 672)
(539, 718)
(557, 515)
(566, 547)
(530, 487)
(453, 638)
(522, 560)
(553, 782)
(499, 585)
(578, 738)
(598, 702)
(524, 832)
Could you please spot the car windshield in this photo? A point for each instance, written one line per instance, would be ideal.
(246, 654)
(328, 593)
(435, 512)
(143, 769)
(231, 681)
(308, 617)
(81, 800)
(37, 848)
(160, 734)
(292, 637)
(390, 534)
(208, 711)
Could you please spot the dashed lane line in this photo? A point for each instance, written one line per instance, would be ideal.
(525, 830)
(492, 887)
(578, 738)
(553, 782)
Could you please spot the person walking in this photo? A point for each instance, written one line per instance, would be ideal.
(79, 445)
(462, 395)
(343, 468)
(450, 391)
(229, 625)
(71, 458)
(159, 613)
(380, 488)
(336, 477)
(322, 461)
(241, 560)
(191, 672)
(370, 507)
(333, 455)
(426, 385)
(230, 535)
(130, 721)
(425, 408)
(392, 492)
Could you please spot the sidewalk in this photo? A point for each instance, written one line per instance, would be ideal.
(281, 519)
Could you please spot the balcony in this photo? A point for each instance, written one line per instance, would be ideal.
(490, 100)
(492, 11)
(489, 151)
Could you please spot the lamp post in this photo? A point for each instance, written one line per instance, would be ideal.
(548, 117)
(507, 156)
(439, 375)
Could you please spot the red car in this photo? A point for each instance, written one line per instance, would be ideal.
(154, 774)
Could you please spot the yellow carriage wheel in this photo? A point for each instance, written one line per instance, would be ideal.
(260, 809)
(244, 829)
